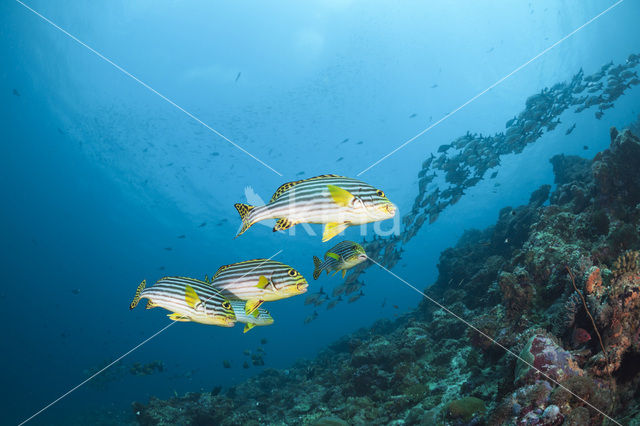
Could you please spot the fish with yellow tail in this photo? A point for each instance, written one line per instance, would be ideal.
(340, 257)
(258, 317)
(188, 299)
(336, 201)
(257, 281)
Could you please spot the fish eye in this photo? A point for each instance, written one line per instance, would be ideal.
(379, 193)
(292, 272)
(226, 304)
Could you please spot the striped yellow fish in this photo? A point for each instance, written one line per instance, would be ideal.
(188, 299)
(336, 201)
(257, 281)
(342, 256)
(259, 317)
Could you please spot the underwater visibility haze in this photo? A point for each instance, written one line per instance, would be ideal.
(465, 172)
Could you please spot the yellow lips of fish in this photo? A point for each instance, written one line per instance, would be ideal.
(389, 208)
(295, 284)
(299, 288)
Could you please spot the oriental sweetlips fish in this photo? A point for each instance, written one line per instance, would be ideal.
(188, 299)
(259, 316)
(336, 201)
(342, 256)
(257, 281)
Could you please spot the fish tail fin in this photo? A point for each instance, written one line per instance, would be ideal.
(317, 267)
(244, 210)
(136, 298)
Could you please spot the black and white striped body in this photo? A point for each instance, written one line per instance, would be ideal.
(263, 318)
(241, 281)
(342, 256)
(171, 293)
(330, 199)
(311, 202)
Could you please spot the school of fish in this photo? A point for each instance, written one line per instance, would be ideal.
(237, 291)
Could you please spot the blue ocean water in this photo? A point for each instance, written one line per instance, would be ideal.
(102, 177)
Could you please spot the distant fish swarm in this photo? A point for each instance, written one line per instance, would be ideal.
(237, 291)
(465, 161)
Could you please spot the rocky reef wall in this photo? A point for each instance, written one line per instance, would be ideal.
(555, 281)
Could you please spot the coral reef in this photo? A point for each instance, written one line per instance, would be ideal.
(513, 281)
(543, 358)
(469, 159)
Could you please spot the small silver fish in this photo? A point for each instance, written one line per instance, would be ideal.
(355, 297)
(333, 303)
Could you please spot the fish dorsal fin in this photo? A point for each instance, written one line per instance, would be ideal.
(188, 279)
(191, 297)
(333, 255)
(263, 282)
(177, 317)
(340, 196)
(286, 186)
(248, 327)
(220, 269)
(332, 229)
(252, 305)
(224, 267)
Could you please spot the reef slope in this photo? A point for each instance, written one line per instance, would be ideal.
(513, 281)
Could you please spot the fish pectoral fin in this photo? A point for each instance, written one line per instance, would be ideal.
(340, 196)
(332, 229)
(252, 305)
(248, 327)
(177, 317)
(334, 256)
(282, 224)
(263, 282)
(344, 272)
(256, 313)
(191, 297)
